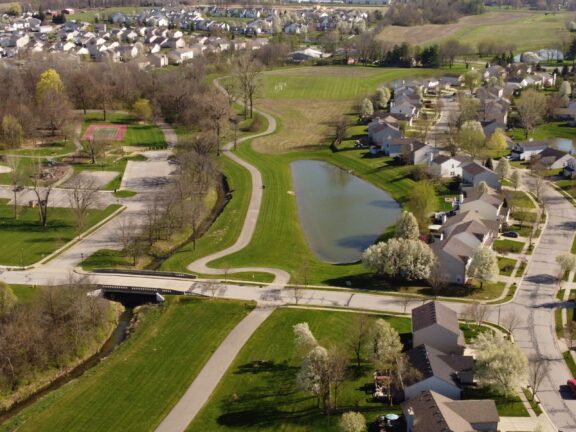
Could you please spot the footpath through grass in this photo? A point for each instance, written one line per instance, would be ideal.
(259, 390)
(25, 241)
(141, 381)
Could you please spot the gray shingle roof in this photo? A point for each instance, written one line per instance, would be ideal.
(434, 313)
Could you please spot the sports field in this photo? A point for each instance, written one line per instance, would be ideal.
(527, 30)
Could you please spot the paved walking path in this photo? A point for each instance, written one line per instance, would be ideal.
(211, 374)
(281, 277)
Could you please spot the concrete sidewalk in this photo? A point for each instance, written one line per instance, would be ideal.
(201, 389)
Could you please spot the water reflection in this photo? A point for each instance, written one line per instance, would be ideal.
(341, 215)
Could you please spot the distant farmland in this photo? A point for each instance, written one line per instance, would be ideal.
(526, 29)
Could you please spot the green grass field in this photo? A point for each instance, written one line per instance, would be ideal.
(26, 242)
(138, 384)
(253, 396)
(553, 129)
(527, 30)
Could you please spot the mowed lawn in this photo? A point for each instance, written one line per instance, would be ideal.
(259, 391)
(527, 30)
(25, 241)
(135, 388)
(279, 225)
(139, 134)
(306, 100)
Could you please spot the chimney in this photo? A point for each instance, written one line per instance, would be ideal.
(409, 419)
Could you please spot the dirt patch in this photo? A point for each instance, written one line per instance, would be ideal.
(5, 169)
(427, 33)
(92, 179)
(304, 123)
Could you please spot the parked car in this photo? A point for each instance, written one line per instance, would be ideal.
(572, 386)
(511, 234)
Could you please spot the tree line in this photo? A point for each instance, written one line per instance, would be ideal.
(47, 333)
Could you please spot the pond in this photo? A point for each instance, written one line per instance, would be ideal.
(340, 214)
(564, 144)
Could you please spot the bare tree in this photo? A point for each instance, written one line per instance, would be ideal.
(511, 321)
(82, 196)
(405, 300)
(94, 148)
(359, 334)
(340, 127)
(17, 176)
(297, 293)
(213, 286)
(42, 188)
(476, 312)
(531, 107)
(537, 371)
(437, 278)
(337, 368)
(248, 73)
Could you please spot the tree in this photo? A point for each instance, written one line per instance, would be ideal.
(95, 148)
(500, 363)
(437, 278)
(497, 141)
(511, 321)
(567, 263)
(407, 227)
(247, 74)
(42, 188)
(381, 98)
(471, 80)
(82, 196)
(366, 109)
(421, 202)
(503, 169)
(385, 344)
(142, 109)
(313, 375)
(358, 336)
(53, 104)
(304, 340)
(471, 138)
(337, 369)
(400, 258)
(484, 265)
(516, 179)
(482, 187)
(12, 132)
(17, 176)
(531, 106)
(537, 371)
(352, 422)
(340, 127)
(565, 89)
(476, 312)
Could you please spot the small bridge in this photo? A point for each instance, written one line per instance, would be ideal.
(131, 295)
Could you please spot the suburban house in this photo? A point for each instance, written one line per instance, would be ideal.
(551, 158)
(462, 235)
(439, 372)
(525, 150)
(486, 204)
(417, 152)
(474, 173)
(381, 131)
(432, 412)
(437, 326)
(443, 166)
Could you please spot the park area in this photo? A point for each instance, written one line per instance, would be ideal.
(123, 129)
(25, 241)
(138, 384)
